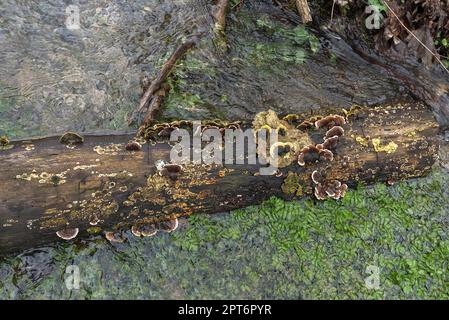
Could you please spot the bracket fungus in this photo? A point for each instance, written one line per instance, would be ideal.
(334, 131)
(313, 154)
(71, 139)
(330, 121)
(116, 237)
(133, 146)
(165, 133)
(317, 177)
(327, 189)
(326, 155)
(68, 234)
(171, 171)
(329, 143)
(168, 225)
(147, 230)
(309, 154)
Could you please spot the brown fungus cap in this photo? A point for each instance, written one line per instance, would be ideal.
(71, 138)
(329, 143)
(114, 237)
(171, 171)
(305, 125)
(166, 132)
(330, 121)
(148, 230)
(168, 225)
(68, 234)
(320, 192)
(333, 189)
(317, 177)
(135, 230)
(308, 154)
(326, 155)
(334, 131)
(133, 146)
(341, 191)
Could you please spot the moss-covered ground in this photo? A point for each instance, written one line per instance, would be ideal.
(280, 250)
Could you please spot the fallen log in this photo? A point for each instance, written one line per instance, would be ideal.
(98, 183)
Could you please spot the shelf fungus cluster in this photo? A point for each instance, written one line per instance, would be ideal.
(143, 230)
(324, 151)
(325, 189)
(68, 234)
(312, 154)
(328, 188)
(291, 140)
(151, 229)
(161, 132)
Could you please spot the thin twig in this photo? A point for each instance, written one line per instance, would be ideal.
(332, 12)
(162, 76)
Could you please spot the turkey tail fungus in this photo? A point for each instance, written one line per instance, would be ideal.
(100, 181)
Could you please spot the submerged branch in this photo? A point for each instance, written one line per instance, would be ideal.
(157, 83)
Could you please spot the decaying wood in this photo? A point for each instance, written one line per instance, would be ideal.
(156, 103)
(304, 11)
(161, 77)
(220, 14)
(95, 186)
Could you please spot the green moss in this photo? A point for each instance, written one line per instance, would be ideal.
(284, 44)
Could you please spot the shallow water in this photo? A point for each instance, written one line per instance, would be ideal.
(53, 79)
(280, 250)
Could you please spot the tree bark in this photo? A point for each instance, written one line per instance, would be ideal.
(304, 11)
(220, 14)
(47, 186)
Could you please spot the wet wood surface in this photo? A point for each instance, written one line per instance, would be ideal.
(47, 186)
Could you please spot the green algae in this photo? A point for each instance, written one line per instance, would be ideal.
(279, 250)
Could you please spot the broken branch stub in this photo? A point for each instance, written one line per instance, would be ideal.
(304, 11)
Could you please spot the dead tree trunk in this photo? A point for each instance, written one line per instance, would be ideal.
(47, 186)
(304, 11)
